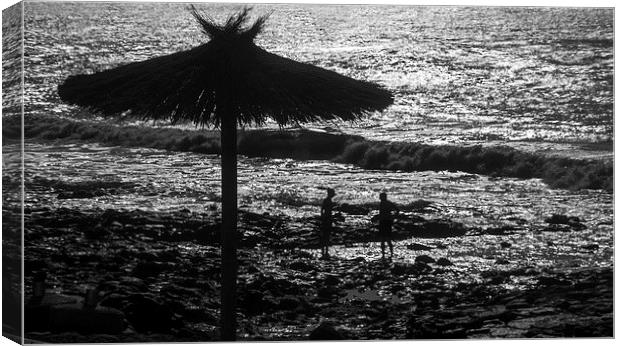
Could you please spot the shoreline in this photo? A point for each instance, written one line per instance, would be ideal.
(557, 172)
(169, 262)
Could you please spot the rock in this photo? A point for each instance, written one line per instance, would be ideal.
(133, 282)
(146, 257)
(397, 287)
(147, 314)
(101, 320)
(326, 331)
(407, 269)
(573, 221)
(353, 209)
(96, 233)
(552, 281)
(37, 309)
(590, 247)
(531, 272)
(63, 313)
(420, 267)
(148, 269)
(304, 254)
(399, 269)
(35, 265)
(87, 257)
(252, 269)
(302, 266)
(257, 302)
(496, 280)
(557, 228)
(176, 292)
(116, 224)
(441, 229)
(327, 292)
(577, 225)
(499, 230)
(76, 194)
(418, 247)
(560, 219)
(456, 333)
(421, 206)
(563, 304)
(289, 303)
(426, 327)
(114, 300)
(483, 310)
(332, 280)
(444, 262)
(424, 259)
(277, 287)
(492, 273)
(199, 314)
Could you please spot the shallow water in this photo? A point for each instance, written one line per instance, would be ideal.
(535, 78)
(156, 180)
(161, 180)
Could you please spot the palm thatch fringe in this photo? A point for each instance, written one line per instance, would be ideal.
(186, 86)
(234, 26)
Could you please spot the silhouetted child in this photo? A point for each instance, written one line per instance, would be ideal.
(387, 212)
(326, 222)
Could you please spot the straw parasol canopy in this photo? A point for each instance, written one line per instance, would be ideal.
(226, 82)
(185, 85)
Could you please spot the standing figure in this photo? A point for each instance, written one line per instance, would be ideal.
(326, 221)
(387, 212)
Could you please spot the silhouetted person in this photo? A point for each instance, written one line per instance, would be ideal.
(387, 212)
(326, 221)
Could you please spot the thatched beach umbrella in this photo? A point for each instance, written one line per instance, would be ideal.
(225, 82)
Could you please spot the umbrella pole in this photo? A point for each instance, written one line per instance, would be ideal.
(229, 223)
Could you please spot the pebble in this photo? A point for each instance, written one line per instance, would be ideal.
(444, 262)
(326, 331)
(424, 259)
(418, 247)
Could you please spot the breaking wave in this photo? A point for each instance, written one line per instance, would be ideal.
(557, 172)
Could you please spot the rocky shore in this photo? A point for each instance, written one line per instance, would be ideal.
(155, 277)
